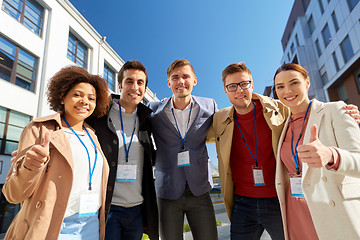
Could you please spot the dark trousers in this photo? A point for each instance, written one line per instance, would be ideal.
(124, 223)
(250, 216)
(199, 213)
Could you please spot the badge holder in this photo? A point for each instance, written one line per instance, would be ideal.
(88, 204)
(183, 159)
(258, 175)
(126, 173)
(295, 185)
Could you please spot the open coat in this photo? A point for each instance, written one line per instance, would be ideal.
(333, 197)
(44, 193)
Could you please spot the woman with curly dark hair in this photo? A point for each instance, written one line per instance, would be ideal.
(60, 173)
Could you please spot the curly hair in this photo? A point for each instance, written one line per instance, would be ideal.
(64, 80)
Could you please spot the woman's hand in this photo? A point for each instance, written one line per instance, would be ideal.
(315, 154)
(37, 156)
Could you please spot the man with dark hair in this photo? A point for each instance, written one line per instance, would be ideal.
(124, 134)
(183, 179)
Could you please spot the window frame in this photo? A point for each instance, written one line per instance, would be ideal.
(23, 16)
(343, 51)
(108, 68)
(78, 44)
(4, 139)
(14, 70)
(326, 39)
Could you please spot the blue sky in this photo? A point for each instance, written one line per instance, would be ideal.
(210, 34)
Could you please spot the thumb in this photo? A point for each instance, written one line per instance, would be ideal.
(313, 131)
(47, 139)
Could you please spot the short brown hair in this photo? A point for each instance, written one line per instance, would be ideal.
(179, 63)
(294, 67)
(64, 80)
(132, 65)
(234, 68)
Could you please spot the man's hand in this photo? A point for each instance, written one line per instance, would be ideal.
(315, 154)
(353, 111)
(38, 155)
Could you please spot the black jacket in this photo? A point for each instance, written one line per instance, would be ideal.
(110, 145)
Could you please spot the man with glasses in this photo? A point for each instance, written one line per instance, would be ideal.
(246, 136)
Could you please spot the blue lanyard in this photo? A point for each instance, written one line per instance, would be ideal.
(91, 172)
(127, 150)
(295, 153)
(187, 127)
(237, 122)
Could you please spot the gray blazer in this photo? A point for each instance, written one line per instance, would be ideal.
(170, 180)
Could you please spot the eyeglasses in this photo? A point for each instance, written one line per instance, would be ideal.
(232, 87)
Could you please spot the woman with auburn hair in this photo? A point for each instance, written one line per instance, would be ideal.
(60, 173)
(318, 163)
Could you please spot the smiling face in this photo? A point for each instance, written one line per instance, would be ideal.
(181, 81)
(292, 90)
(79, 103)
(132, 89)
(241, 99)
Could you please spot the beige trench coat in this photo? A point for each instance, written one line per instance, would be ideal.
(44, 193)
(221, 132)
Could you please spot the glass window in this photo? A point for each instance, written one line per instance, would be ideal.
(321, 6)
(336, 24)
(28, 12)
(352, 4)
(297, 40)
(324, 78)
(77, 51)
(11, 125)
(336, 63)
(109, 75)
(311, 24)
(292, 48)
(346, 49)
(342, 93)
(17, 65)
(318, 49)
(326, 35)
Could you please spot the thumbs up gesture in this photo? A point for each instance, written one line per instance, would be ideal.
(315, 154)
(38, 155)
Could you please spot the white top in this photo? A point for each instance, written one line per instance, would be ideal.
(81, 170)
(128, 193)
(182, 116)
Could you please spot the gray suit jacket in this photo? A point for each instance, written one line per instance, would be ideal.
(170, 180)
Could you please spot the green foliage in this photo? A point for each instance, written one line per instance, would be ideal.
(186, 228)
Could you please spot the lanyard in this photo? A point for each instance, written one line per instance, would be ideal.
(91, 172)
(237, 122)
(295, 153)
(187, 127)
(127, 150)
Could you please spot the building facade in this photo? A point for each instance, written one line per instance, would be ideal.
(324, 37)
(37, 39)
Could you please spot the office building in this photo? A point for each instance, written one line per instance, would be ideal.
(324, 37)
